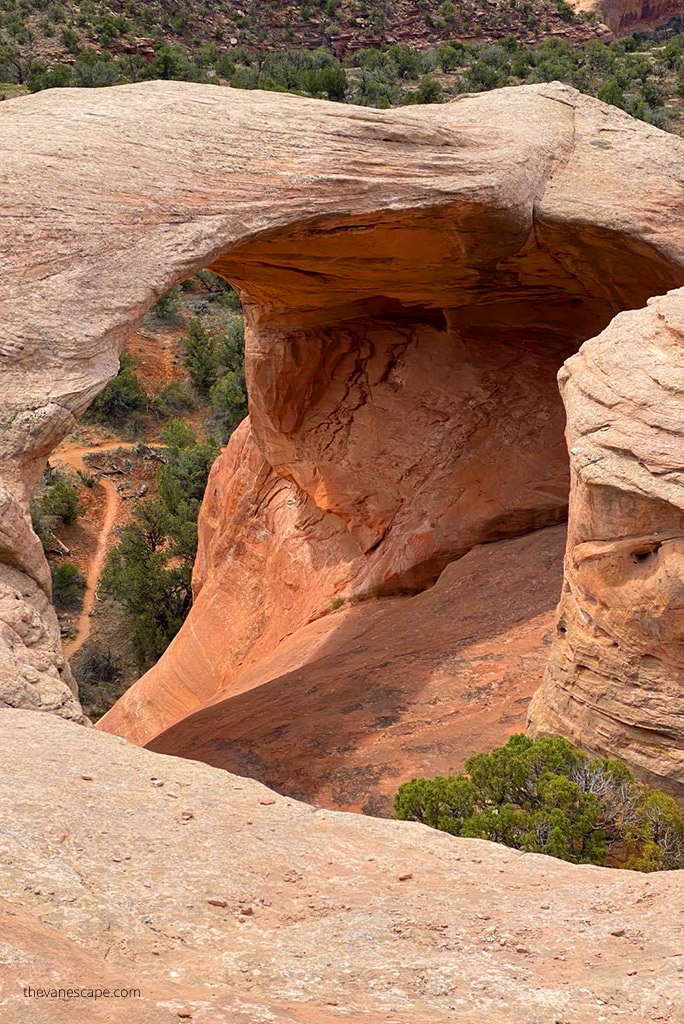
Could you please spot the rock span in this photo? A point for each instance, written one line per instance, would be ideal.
(412, 279)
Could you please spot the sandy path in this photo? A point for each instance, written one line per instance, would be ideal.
(74, 458)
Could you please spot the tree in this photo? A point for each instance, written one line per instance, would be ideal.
(546, 796)
(178, 434)
(67, 586)
(333, 82)
(149, 572)
(61, 500)
(200, 356)
(140, 573)
(429, 90)
(122, 396)
(229, 404)
(610, 92)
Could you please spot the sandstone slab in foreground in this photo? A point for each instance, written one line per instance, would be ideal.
(218, 898)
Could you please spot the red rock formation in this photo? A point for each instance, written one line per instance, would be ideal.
(616, 677)
(626, 16)
(412, 280)
(351, 705)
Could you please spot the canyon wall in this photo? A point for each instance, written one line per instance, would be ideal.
(412, 281)
(626, 16)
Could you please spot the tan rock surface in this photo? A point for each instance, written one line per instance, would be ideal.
(104, 877)
(615, 681)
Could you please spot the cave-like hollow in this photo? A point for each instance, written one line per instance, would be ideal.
(402, 372)
(404, 408)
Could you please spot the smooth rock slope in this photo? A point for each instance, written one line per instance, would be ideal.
(225, 903)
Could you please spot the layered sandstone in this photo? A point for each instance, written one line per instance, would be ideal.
(412, 281)
(626, 16)
(225, 903)
(615, 681)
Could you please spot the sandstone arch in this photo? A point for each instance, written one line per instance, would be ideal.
(398, 268)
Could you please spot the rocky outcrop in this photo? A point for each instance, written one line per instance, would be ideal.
(225, 903)
(615, 681)
(351, 705)
(626, 16)
(412, 281)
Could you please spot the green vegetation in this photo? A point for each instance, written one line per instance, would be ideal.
(123, 400)
(48, 43)
(149, 571)
(228, 395)
(40, 523)
(60, 499)
(216, 366)
(99, 674)
(67, 586)
(166, 308)
(546, 796)
(644, 76)
(201, 356)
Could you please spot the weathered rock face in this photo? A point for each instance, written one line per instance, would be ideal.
(616, 678)
(348, 707)
(221, 900)
(626, 16)
(412, 281)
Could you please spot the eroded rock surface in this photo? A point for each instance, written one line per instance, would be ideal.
(615, 682)
(626, 16)
(221, 900)
(350, 706)
(412, 281)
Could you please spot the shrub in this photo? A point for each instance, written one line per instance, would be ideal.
(166, 308)
(201, 357)
(546, 796)
(611, 92)
(232, 346)
(99, 674)
(150, 570)
(173, 399)
(40, 525)
(61, 500)
(86, 478)
(122, 396)
(67, 586)
(229, 404)
(178, 434)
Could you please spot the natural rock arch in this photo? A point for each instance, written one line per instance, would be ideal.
(430, 267)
